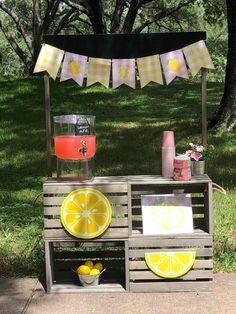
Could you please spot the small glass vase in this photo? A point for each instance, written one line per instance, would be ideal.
(198, 167)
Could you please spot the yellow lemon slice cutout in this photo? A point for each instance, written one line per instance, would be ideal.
(86, 213)
(170, 264)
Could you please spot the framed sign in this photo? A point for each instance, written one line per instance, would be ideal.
(166, 214)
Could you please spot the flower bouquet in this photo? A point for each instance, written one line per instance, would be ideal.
(198, 154)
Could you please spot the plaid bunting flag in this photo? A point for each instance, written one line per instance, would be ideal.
(123, 72)
(173, 64)
(198, 57)
(49, 60)
(73, 67)
(149, 69)
(99, 71)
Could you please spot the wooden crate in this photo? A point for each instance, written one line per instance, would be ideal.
(199, 187)
(63, 251)
(199, 278)
(64, 257)
(115, 189)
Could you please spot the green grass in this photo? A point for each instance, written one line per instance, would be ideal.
(129, 132)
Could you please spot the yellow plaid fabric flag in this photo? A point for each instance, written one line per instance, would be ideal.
(49, 60)
(149, 69)
(99, 71)
(197, 57)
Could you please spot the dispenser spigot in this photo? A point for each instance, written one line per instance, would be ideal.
(83, 149)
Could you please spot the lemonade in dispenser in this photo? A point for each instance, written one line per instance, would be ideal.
(75, 145)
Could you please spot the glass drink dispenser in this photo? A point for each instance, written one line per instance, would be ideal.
(75, 145)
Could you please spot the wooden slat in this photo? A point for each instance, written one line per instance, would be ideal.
(57, 200)
(105, 188)
(198, 264)
(137, 234)
(155, 179)
(191, 275)
(99, 254)
(73, 288)
(56, 223)
(169, 241)
(110, 233)
(94, 181)
(171, 286)
(199, 252)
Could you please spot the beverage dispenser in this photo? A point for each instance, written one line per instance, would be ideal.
(75, 145)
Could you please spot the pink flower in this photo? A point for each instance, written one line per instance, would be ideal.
(188, 152)
(196, 156)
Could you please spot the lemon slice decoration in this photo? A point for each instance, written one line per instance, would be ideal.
(170, 264)
(86, 213)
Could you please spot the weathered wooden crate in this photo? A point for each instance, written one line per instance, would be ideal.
(115, 189)
(64, 257)
(199, 187)
(199, 278)
(63, 251)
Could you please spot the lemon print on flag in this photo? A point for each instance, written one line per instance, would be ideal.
(86, 213)
(74, 67)
(170, 264)
(173, 64)
(123, 72)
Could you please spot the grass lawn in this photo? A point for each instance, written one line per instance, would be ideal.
(129, 125)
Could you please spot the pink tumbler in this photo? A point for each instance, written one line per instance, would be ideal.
(168, 154)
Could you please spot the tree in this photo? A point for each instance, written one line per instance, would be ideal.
(24, 23)
(225, 117)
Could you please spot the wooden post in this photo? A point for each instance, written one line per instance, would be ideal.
(48, 123)
(204, 106)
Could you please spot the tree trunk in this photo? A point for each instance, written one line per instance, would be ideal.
(225, 117)
(96, 15)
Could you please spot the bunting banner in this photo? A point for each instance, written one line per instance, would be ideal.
(197, 57)
(99, 71)
(49, 60)
(149, 69)
(73, 67)
(123, 72)
(77, 67)
(173, 64)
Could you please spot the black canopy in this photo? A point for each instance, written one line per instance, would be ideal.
(123, 45)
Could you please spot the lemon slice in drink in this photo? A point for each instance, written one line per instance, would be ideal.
(86, 213)
(170, 264)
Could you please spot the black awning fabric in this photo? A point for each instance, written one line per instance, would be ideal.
(112, 46)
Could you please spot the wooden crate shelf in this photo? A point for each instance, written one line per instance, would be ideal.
(64, 257)
(199, 278)
(64, 251)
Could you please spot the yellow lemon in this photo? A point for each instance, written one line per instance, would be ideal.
(98, 266)
(94, 272)
(86, 213)
(89, 264)
(83, 270)
(174, 64)
(170, 264)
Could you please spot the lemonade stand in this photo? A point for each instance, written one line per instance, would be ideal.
(101, 220)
